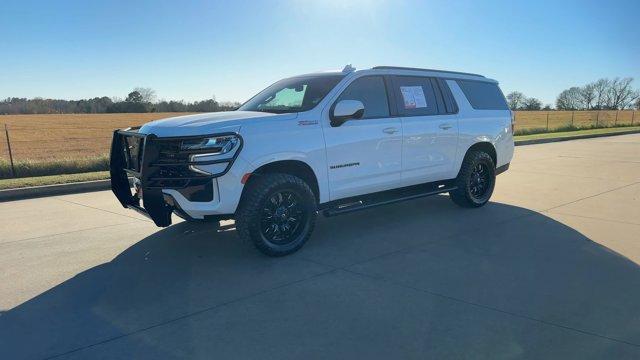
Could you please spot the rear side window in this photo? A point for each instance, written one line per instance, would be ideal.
(483, 95)
(371, 91)
(415, 96)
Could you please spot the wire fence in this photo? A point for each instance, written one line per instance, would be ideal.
(536, 121)
(50, 139)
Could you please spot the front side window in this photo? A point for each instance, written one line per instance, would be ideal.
(369, 90)
(295, 94)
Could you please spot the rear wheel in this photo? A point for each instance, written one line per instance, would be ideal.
(277, 214)
(476, 180)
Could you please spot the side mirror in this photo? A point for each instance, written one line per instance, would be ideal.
(345, 110)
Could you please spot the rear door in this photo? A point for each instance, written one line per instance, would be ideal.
(364, 155)
(430, 130)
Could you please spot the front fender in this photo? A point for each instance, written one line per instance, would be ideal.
(314, 161)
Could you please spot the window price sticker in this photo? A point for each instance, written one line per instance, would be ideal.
(413, 97)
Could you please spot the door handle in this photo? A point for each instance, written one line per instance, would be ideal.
(390, 130)
(445, 126)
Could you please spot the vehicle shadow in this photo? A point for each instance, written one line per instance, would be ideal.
(503, 257)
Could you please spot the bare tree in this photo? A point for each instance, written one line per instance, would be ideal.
(621, 94)
(148, 94)
(516, 100)
(601, 89)
(588, 95)
(569, 99)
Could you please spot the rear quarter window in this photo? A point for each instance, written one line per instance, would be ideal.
(483, 95)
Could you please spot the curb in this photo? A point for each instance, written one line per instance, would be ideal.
(99, 185)
(52, 190)
(577, 137)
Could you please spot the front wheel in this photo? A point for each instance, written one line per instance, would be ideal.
(277, 214)
(476, 180)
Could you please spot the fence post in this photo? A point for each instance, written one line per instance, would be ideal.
(597, 118)
(573, 113)
(615, 122)
(13, 169)
(633, 115)
(547, 121)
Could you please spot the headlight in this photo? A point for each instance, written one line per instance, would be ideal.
(217, 145)
(208, 153)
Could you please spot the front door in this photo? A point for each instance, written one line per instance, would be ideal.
(364, 155)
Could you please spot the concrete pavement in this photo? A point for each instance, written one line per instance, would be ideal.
(550, 268)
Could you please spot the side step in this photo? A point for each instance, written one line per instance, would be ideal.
(344, 206)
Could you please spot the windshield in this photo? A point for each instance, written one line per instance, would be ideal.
(293, 95)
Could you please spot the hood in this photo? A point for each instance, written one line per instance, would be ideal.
(208, 123)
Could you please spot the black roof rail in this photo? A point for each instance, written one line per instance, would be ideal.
(421, 69)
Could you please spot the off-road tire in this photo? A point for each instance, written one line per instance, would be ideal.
(463, 195)
(249, 215)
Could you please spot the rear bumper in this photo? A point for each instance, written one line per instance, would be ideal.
(163, 184)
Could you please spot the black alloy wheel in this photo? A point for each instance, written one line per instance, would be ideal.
(282, 218)
(479, 181)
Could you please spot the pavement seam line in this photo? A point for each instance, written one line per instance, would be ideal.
(557, 174)
(490, 308)
(95, 208)
(591, 196)
(592, 217)
(194, 313)
(600, 159)
(64, 233)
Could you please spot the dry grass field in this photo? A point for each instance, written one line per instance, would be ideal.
(552, 120)
(38, 138)
(66, 136)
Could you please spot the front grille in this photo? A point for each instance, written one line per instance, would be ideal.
(169, 152)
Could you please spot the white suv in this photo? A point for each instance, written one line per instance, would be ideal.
(334, 142)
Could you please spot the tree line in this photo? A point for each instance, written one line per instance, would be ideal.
(140, 100)
(603, 94)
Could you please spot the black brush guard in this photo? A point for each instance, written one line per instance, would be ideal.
(147, 158)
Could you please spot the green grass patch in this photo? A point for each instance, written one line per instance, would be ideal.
(567, 128)
(597, 131)
(31, 168)
(52, 180)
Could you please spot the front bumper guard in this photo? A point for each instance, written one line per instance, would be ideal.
(154, 204)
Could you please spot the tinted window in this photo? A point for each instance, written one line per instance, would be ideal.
(293, 95)
(415, 96)
(483, 95)
(370, 90)
(450, 103)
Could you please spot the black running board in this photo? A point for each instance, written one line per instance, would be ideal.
(345, 206)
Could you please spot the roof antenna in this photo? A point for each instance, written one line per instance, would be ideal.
(348, 68)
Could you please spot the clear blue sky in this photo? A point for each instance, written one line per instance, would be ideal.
(193, 49)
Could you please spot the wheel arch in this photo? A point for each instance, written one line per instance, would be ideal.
(296, 168)
(486, 147)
